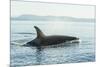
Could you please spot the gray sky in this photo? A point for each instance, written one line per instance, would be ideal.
(44, 9)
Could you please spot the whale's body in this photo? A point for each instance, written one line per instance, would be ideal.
(43, 40)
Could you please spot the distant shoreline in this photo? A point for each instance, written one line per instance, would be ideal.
(51, 18)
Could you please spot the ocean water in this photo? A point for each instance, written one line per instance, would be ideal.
(23, 32)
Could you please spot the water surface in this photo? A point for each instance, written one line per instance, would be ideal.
(23, 32)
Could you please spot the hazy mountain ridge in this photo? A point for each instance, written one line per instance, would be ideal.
(50, 18)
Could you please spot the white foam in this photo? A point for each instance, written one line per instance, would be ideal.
(75, 41)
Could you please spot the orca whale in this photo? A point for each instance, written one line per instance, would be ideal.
(43, 40)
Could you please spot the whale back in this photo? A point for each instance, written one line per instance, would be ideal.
(39, 32)
(43, 40)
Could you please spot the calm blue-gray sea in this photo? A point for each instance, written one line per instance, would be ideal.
(23, 32)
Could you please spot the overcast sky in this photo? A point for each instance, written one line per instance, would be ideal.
(44, 9)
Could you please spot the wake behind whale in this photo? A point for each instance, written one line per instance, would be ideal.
(43, 40)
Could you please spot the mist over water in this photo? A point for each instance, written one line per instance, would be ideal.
(23, 32)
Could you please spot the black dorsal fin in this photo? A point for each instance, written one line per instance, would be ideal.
(39, 32)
